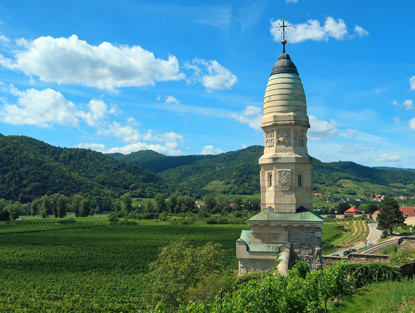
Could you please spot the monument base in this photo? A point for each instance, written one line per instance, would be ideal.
(286, 236)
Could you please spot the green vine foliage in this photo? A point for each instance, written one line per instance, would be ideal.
(301, 291)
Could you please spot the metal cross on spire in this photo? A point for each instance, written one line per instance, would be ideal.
(283, 26)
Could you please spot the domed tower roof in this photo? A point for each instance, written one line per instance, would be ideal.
(284, 64)
(284, 101)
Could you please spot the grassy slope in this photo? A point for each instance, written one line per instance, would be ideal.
(387, 297)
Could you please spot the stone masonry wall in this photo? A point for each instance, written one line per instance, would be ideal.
(358, 258)
(306, 244)
(406, 242)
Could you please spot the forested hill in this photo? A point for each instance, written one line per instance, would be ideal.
(157, 162)
(237, 172)
(30, 168)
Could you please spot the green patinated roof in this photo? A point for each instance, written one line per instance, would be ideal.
(302, 215)
(259, 247)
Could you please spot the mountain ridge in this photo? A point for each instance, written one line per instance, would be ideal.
(238, 172)
(31, 168)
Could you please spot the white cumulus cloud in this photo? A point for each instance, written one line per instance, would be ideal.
(92, 146)
(360, 31)
(412, 83)
(106, 66)
(171, 148)
(211, 74)
(4, 39)
(130, 134)
(412, 123)
(311, 30)
(98, 111)
(251, 115)
(46, 107)
(126, 133)
(321, 130)
(171, 99)
(209, 149)
(41, 108)
(409, 104)
(388, 158)
(291, 1)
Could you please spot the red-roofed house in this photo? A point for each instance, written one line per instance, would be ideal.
(352, 211)
(407, 211)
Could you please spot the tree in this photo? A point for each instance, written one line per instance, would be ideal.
(85, 208)
(149, 206)
(4, 214)
(126, 202)
(116, 204)
(160, 203)
(15, 210)
(342, 207)
(76, 204)
(46, 209)
(180, 266)
(210, 203)
(54, 201)
(35, 207)
(371, 208)
(173, 202)
(62, 204)
(390, 215)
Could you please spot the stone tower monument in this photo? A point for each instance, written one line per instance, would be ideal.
(286, 227)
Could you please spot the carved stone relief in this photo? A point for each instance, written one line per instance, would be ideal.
(284, 179)
(269, 139)
(299, 138)
(283, 138)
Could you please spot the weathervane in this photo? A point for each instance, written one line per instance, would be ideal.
(283, 26)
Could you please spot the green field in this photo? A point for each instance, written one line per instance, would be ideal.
(89, 266)
(386, 297)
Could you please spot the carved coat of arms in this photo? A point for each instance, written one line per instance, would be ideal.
(284, 179)
(283, 139)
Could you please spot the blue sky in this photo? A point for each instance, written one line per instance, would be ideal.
(188, 77)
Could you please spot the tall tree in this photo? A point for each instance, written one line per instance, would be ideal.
(85, 208)
(160, 203)
(173, 201)
(210, 203)
(62, 204)
(46, 209)
(76, 204)
(35, 207)
(390, 215)
(126, 202)
(149, 206)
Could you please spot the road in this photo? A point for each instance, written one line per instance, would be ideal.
(373, 237)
